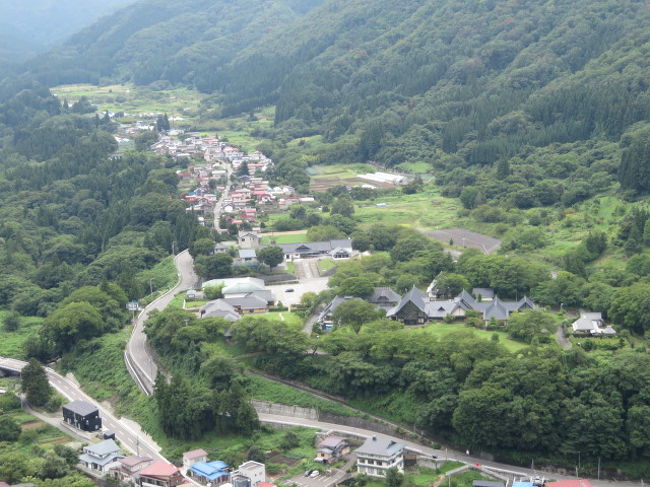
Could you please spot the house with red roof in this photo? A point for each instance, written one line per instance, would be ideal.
(160, 474)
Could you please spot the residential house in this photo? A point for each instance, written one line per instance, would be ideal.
(247, 256)
(220, 248)
(331, 449)
(82, 415)
(249, 474)
(248, 304)
(194, 456)
(219, 308)
(213, 473)
(417, 308)
(315, 249)
(249, 240)
(412, 308)
(592, 324)
(100, 457)
(128, 468)
(377, 455)
(160, 474)
(384, 298)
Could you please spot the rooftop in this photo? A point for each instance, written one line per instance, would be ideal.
(82, 408)
(103, 448)
(160, 469)
(195, 454)
(380, 446)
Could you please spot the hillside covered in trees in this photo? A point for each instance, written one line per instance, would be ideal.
(165, 40)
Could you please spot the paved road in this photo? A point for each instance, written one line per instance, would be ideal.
(224, 195)
(131, 440)
(139, 358)
(426, 451)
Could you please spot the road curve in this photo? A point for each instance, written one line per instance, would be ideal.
(138, 356)
(129, 438)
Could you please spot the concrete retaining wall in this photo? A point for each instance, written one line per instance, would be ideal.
(284, 410)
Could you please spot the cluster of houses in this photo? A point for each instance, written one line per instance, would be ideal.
(216, 472)
(245, 295)
(336, 249)
(418, 308)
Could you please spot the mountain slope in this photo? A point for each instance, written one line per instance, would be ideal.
(31, 26)
(163, 40)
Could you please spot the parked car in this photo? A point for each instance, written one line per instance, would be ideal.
(314, 474)
(290, 290)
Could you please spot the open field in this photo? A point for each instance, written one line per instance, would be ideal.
(132, 100)
(40, 434)
(286, 316)
(285, 238)
(12, 343)
(426, 210)
(444, 329)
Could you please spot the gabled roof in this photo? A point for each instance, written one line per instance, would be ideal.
(209, 470)
(220, 308)
(440, 309)
(380, 446)
(332, 442)
(497, 310)
(82, 408)
(102, 448)
(198, 453)
(248, 302)
(335, 303)
(414, 296)
(307, 247)
(383, 295)
(466, 300)
(570, 483)
(247, 253)
(160, 469)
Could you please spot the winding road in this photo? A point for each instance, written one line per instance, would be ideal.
(138, 356)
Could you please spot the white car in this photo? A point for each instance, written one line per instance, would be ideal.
(314, 474)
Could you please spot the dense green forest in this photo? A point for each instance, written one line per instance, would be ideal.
(163, 40)
(458, 85)
(78, 229)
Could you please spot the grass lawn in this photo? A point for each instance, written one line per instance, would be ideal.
(12, 343)
(291, 267)
(291, 318)
(444, 329)
(325, 265)
(285, 238)
(415, 167)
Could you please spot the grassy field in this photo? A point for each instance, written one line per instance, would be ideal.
(426, 210)
(280, 238)
(443, 329)
(12, 343)
(134, 100)
(290, 318)
(325, 265)
(415, 167)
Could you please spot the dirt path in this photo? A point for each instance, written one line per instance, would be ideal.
(562, 339)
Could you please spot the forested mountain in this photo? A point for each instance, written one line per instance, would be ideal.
(165, 40)
(28, 27)
(79, 230)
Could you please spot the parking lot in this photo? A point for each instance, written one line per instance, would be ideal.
(314, 285)
(323, 479)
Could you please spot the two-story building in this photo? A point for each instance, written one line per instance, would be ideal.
(82, 415)
(331, 449)
(249, 474)
(160, 474)
(101, 457)
(377, 455)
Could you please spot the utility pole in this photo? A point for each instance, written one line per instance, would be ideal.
(151, 285)
(598, 468)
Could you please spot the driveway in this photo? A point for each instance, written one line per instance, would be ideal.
(334, 476)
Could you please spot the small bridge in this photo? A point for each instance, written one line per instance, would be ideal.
(10, 366)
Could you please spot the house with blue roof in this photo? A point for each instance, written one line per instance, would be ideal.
(215, 472)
